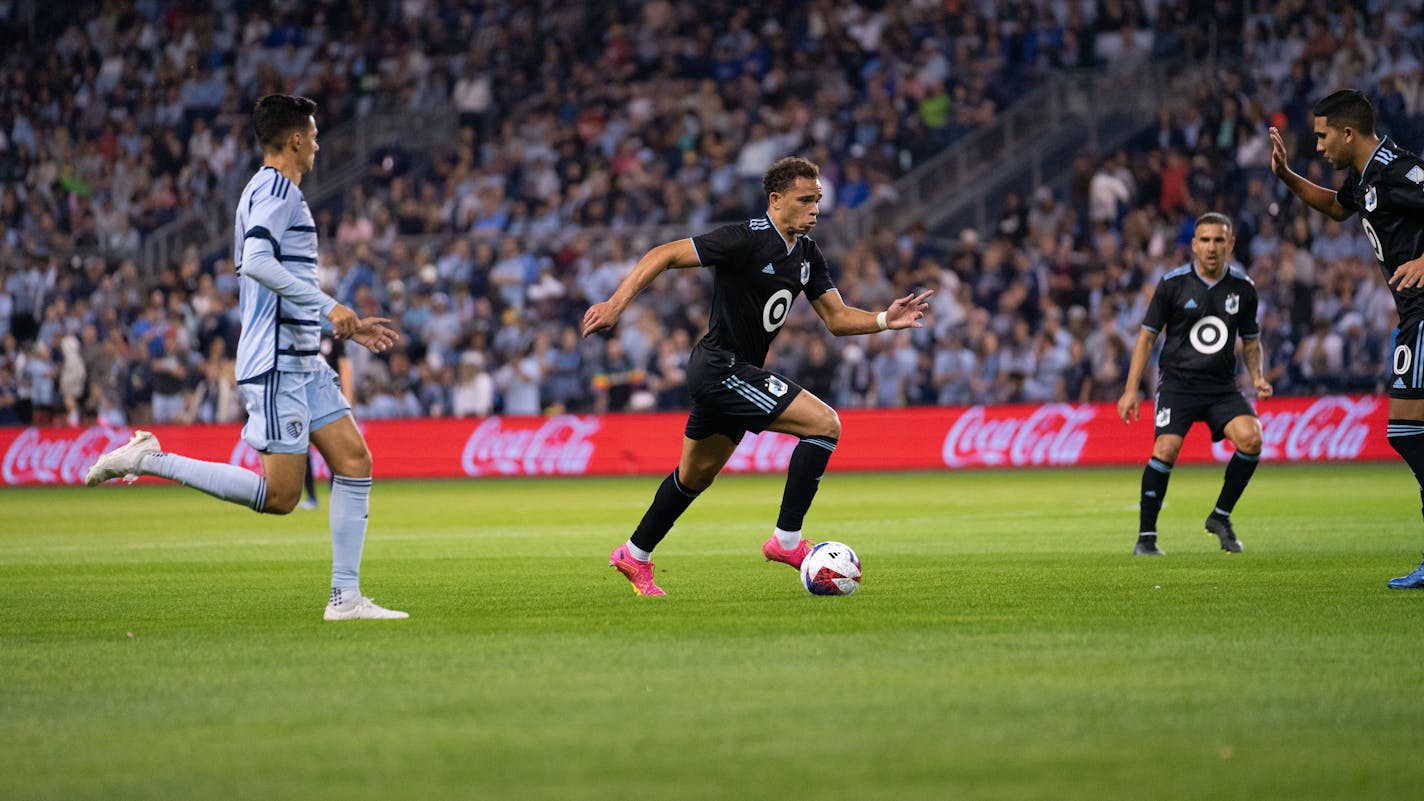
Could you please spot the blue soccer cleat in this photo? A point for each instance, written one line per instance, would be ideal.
(1413, 581)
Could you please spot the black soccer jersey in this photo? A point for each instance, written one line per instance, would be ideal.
(1203, 322)
(1389, 196)
(755, 280)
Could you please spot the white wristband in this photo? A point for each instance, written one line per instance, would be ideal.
(881, 321)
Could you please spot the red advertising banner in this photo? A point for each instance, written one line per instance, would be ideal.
(1327, 428)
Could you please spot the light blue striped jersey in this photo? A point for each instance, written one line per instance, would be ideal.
(277, 334)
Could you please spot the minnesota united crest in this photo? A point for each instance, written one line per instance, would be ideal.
(1371, 199)
(805, 271)
(1233, 303)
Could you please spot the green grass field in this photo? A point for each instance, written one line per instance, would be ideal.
(158, 644)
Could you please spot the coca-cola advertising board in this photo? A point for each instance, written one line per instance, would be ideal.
(1328, 428)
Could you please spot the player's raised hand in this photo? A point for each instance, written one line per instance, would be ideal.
(343, 322)
(1280, 164)
(1408, 275)
(906, 312)
(600, 317)
(375, 334)
(1129, 405)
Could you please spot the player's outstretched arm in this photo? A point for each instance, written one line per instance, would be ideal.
(375, 334)
(1317, 197)
(1129, 405)
(670, 255)
(843, 320)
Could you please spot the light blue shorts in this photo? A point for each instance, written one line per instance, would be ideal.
(284, 408)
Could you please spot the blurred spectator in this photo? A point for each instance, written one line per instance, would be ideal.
(616, 378)
(474, 389)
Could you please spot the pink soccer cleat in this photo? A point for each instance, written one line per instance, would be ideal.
(638, 572)
(773, 552)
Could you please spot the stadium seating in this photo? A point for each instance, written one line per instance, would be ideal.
(548, 169)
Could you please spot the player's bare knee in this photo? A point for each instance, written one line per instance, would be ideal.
(1249, 444)
(696, 479)
(280, 503)
(829, 424)
(1166, 451)
(356, 464)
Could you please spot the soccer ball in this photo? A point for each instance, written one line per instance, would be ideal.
(831, 568)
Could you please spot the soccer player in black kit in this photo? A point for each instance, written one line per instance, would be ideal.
(1384, 183)
(1204, 306)
(760, 266)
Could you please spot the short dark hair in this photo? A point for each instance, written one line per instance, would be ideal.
(1347, 107)
(1213, 218)
(276, 116)
(781, 175)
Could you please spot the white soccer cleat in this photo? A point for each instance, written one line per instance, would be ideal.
(123, 460)
(360, 608)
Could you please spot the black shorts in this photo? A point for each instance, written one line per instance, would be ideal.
(1174, 411)
(732, 397)
(1406, 380)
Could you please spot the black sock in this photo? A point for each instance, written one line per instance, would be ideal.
(1238, 474)
(310, 480)
(671, 500)
(1407, 439)
(803, 478)
(1154, 488)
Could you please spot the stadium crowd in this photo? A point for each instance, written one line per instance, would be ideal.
(583, 124)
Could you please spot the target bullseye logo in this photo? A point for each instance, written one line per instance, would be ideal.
(773, 315)
(1208, 335)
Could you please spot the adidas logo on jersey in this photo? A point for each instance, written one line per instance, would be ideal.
(1191, 304)
(1398, 384)
(768, 270)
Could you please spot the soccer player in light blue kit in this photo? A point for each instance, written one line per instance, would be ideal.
(292, 395)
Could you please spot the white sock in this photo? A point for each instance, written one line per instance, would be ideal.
(350, 504)
(638, 553)
(788, 539)
(226, 481)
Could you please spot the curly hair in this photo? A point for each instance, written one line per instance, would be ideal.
(782, 175)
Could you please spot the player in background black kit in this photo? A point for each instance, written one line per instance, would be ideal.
(334, 352)
(1385, 184)
(1204, 307)
(760, 266)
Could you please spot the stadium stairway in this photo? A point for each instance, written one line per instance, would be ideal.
(1030, 143)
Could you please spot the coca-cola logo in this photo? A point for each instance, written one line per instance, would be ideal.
(1051, 434)
(1332, 427)
(58, 457)
(561, 445)
(767, 452)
